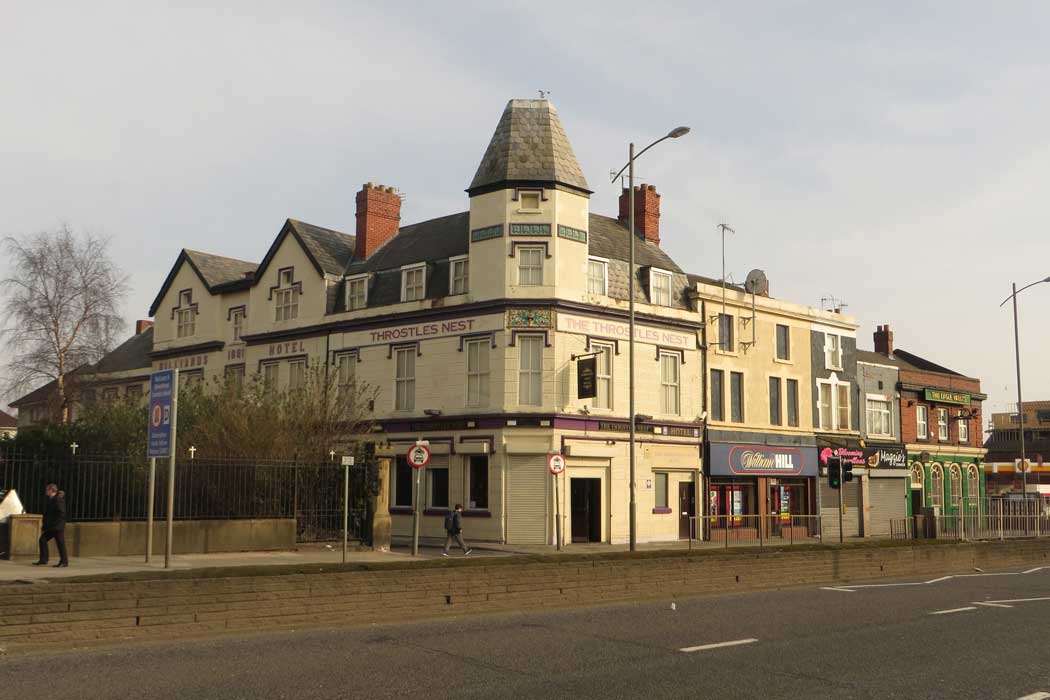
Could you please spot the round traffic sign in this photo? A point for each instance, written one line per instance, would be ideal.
(419, 456)
(556, 463)
(157, 415)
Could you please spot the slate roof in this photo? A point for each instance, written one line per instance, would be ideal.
(877, 358)
(529, 145)
(331, 250)
(911, 361)
(7, 420)
(693, 279)
(216, 270)
(443, 237)
(133, 353)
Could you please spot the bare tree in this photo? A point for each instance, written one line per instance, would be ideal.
(58, 308)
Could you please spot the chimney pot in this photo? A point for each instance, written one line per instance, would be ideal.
(646, 211)
(142, 325)
(884, 340)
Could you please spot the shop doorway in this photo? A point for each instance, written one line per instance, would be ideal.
(686, 508)
(586, 500)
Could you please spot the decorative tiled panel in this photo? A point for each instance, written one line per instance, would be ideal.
(529, 318)
(573, 234)
(483, 234)
(530, 229)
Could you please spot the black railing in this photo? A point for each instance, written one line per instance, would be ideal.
(114, 488)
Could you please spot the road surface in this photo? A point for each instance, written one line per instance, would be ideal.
(982, 636)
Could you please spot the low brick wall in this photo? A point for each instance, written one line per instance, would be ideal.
(203, 603)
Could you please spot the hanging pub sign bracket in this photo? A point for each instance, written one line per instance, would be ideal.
(583, 355)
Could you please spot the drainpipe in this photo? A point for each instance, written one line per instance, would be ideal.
(704, 446)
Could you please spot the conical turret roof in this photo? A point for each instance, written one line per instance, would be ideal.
(529, 145)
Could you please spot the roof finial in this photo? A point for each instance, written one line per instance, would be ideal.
(544, 94)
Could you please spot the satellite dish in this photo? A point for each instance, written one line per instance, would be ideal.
(756, 283)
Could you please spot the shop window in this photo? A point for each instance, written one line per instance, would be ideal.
(783, 342)
(660, 489)
(670, 383)
(597, 276)
(478, 371)
(478, 482)
(404, 476)
(459, 276)
(530, 265)
(530, 370)
(718, 395)
(604, 365)
(774, 401)
(437, 486)
(736, 397)
(792, 402)
(726, 340)
(922, 422)
(405, 379)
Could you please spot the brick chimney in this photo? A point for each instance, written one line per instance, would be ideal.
(378, 218)
(646, 211)
(142, 325)
(884, 341)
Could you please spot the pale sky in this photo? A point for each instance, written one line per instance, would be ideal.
(889, 155)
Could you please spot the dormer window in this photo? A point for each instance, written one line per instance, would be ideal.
(186, 313)
(287, 295)
(529, 201)
(413, 282)
(660, 287)
(459, 275)
(356, 293)
(597, 276)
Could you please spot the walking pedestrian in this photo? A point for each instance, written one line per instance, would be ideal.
(54, 526)
(454, 530)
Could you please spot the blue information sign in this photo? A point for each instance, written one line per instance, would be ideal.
(162, 391)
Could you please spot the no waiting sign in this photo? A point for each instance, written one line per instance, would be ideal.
(556, 463)
(419, 456)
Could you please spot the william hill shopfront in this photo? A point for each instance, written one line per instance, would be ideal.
(746, 480)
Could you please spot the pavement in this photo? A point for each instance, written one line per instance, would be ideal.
(980, 636)
(23, 570)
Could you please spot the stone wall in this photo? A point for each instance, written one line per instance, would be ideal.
(164, 607)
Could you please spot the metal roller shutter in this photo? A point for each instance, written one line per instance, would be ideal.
(527, 479)
(829, 503)
(888, 500)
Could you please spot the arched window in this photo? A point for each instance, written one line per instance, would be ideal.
(917, 476)
(936, 485)
(955, 484)
(973, 486)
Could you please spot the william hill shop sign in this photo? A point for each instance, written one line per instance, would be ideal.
(762, 460)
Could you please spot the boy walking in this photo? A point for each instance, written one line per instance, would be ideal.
(54, 526)
(454, 530)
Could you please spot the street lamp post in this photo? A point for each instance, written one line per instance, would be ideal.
(1017, 358)
(673, 134)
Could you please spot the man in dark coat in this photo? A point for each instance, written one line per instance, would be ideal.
(54, 526)
(454, 530)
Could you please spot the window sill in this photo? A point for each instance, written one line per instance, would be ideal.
(662, 511)
(477, 513)
(782, 361)
(435, 511)
(401, 510)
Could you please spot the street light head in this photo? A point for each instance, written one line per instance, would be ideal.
(1047, 279)
(678, 131)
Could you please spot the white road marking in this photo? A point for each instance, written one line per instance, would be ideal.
(1018, 600)
(992, 605)
(953, 610)
(703, 647)
(1035, 696)
(853, 588)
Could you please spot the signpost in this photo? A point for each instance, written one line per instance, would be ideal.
(161, 442)
(348, 461)
(556, 465)
(418, 457)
